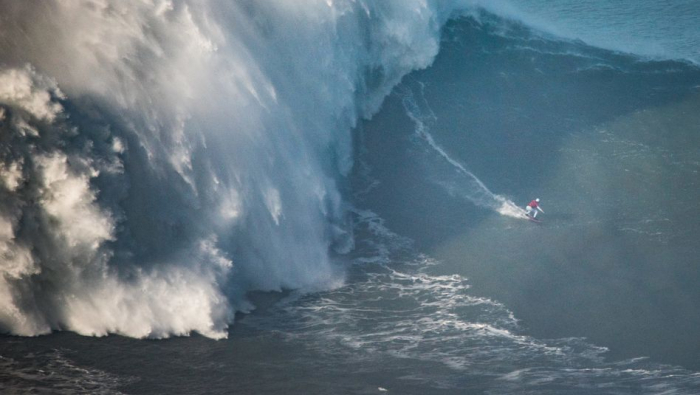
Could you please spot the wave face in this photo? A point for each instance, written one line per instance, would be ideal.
(161, 158)
(600, 136)
(643, 27)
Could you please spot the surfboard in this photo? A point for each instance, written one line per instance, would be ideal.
(534, 219)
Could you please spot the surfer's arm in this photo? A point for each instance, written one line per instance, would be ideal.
(538, 207)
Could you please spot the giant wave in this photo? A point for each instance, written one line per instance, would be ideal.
(161, 158)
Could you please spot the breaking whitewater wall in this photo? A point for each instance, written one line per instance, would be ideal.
(158, 159)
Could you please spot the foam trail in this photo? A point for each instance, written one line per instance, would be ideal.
(467, 185)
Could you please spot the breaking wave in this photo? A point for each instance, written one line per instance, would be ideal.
(161, 158)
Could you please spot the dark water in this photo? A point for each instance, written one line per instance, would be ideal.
(443, 296)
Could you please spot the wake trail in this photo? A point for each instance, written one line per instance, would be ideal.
(467, 185)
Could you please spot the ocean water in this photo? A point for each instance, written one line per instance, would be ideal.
(269, 197)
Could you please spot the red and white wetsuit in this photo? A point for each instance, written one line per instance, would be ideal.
(533, 204)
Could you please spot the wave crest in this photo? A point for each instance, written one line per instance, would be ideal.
(194, 151)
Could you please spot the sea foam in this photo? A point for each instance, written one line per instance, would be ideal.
(162, 158)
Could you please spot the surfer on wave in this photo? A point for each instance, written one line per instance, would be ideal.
(532, 208)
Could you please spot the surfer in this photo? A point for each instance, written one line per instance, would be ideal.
(532, 207)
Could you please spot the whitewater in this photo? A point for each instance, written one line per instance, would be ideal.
(162, 158)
